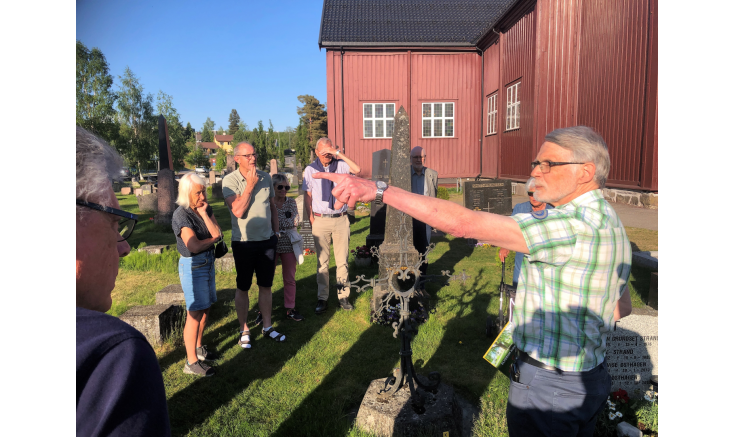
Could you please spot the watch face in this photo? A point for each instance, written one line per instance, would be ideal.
(382, 185)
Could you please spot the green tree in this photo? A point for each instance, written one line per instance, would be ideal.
(137, 140)
(176, 132)
(314, 116)
(188, 131)
(95, 97)
(196, 158)
(207, 136)
(301, 145)
(221, 162)
(234, 122)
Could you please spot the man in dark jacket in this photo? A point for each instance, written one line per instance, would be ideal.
(119, 385)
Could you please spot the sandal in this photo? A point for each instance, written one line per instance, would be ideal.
(272, 333)
(244, 341)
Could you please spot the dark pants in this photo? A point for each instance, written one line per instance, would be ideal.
(257, 257)
(545, 403)
(420, 243)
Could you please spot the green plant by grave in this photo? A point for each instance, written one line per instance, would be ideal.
(442, 193)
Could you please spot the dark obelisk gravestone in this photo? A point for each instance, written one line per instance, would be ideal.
(230, 164)
(492, 195)
(305, 230)
(397, 247)
(381, 168)
(167, 185)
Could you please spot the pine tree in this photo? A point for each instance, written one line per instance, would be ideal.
(234, 122)
(314, 116)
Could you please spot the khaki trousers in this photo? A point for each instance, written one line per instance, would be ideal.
(326, 229)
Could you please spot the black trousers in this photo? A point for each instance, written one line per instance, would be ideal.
(419, 242)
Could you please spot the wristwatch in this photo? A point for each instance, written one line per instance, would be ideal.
(336, 153)
(382, 186)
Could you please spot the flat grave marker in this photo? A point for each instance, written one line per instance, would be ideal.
(492, 195)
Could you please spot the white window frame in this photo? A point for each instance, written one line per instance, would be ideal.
(513, 107)
(443, 119)
(386, 121)
(492, 114)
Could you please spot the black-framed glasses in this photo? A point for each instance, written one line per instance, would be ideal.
(530, 193)
(287, 187)
(545, 166)
(126, 224)
(254, 155)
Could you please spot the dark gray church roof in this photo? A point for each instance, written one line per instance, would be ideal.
(408, 22)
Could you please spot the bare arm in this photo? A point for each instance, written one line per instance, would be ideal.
(624, 306)
(238, 204)
(210, 222)
(193, 244)
(274, 216)
(335, 153)
(307, 207)
(440, 214)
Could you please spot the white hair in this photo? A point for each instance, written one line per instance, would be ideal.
(186, 184)
(97, 165)
(530, 184)
(586, 146)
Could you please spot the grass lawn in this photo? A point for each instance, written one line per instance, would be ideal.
(313, 383)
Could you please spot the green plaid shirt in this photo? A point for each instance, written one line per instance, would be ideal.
(576, 271)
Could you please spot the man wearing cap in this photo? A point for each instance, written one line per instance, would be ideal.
(572, 286)
(328, 222)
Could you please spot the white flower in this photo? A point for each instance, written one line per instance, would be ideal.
(612, 407)
(611, 416)
(619, 414)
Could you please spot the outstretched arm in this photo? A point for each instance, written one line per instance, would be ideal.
(440, 214)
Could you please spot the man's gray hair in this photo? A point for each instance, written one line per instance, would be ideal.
(325, 141)
(586, 146)
(530, 184)
(279, 177)
(97, 165)
(186, 184)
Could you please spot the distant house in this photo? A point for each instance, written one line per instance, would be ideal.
(224, 141)
(209, 148)
(484, 81)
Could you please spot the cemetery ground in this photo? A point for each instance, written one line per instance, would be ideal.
(314, 382)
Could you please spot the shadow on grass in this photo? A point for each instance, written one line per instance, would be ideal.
(192, 405)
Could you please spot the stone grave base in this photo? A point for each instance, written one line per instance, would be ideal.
(163, 218)
(154, 249)
(217, 190)
(148, 202)
(155, 322)
(226, 263)
(394, 416)
(171, 294)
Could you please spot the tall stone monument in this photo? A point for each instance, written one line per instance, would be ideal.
(274, 167)
(231, 164)
(381, 169)
(167, 185)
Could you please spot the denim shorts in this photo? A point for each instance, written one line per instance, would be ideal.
(197, 280)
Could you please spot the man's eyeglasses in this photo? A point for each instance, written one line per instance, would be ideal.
(254, 155)
(545, 166)
(418, 157)
(530, 193)
(287, 187)
(126, 224)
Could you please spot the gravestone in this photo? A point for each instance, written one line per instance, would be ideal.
(305, 229)
(148, 202)
(167, 185)
(653, 291)
(397, 247)
(381, 169)
(632, 352)
(147, 189)
(155, 322)
(138, 192)
(125, 191)
(217, 190)
(230, 164)
(116, 186)
(299, 177)
(225, 263)
(156, 249)
(274, 167)
(171, 294)
(494, 195)
(300, 205)
(212, 177)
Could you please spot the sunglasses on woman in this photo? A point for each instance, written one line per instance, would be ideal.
(287, 187)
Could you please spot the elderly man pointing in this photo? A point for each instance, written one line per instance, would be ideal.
(572, 286)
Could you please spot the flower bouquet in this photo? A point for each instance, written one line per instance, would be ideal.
(362, 256)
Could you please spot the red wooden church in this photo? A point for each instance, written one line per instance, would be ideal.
(484, 80)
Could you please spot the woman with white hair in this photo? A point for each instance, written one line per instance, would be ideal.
(197, 232)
